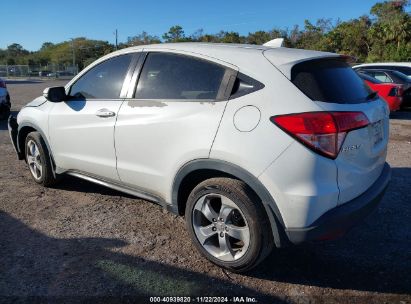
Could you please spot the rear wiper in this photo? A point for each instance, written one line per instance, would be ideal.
(371, 96)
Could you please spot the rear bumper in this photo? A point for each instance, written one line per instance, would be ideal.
(394, 103)
(339, 220)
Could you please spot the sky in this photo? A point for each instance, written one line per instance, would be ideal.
(30, 23)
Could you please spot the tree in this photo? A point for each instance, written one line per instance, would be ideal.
(391, 31)
(15, 50)
(259, 37)
(383, 35)
(230, 37)
(142, 39)
(174, 34)
(350, 38)
(46, 45)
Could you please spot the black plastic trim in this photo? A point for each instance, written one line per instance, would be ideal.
(252, 85)
(13, 132)
(273, 213)
(340, 219)
(136, 75)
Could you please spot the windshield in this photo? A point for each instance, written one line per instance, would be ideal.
(330, 80)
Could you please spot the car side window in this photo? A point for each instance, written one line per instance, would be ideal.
(173, 76)
(382, 77)
(103, 81)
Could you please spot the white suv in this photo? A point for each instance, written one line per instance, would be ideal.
(256, 146)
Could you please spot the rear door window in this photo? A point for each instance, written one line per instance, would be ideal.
(330, 80)
(174, 76)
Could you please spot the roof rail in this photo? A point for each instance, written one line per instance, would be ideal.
(275, 43)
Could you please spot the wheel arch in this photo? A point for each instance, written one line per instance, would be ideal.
(23, 130)
(196, 171)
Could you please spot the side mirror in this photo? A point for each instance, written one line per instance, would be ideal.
(55, 94)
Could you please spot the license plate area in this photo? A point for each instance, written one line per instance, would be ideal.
(377, 132)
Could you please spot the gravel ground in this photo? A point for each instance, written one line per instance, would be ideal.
(80, 241)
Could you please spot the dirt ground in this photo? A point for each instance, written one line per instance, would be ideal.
(79, 241)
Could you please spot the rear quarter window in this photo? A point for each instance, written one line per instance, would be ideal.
(329, 80)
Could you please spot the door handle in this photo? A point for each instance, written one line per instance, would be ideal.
(105, 113)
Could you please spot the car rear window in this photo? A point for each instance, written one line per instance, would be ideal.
(369, 78)
(330, 80)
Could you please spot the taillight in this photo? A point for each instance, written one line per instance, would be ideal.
(393, 92)
(323, 132)
(3, 84)
(400, 91)
(396, 91)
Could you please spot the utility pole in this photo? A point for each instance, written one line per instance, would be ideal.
(74, 54)
(116, 33)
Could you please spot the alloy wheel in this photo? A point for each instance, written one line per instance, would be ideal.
(34, 159)
(221, 227)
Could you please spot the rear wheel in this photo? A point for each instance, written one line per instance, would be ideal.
(228, 224)
(38, 160)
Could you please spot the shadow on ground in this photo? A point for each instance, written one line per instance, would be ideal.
(34, 264)
(403, 115)
(70, 183)
(374, 256)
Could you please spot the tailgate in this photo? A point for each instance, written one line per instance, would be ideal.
(334, 86)
(363, 153)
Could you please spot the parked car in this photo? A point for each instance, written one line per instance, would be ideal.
(52, 74)
(403, 67)
(390, 76)
(5, 104)
(34, 73)
(257, 146)
(392, 93)
(44, 73)
(64, 73)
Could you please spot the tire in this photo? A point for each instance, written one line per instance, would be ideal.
(38, 159)
(218, 213)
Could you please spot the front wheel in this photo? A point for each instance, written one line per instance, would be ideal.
(228, 224)
(38, 160)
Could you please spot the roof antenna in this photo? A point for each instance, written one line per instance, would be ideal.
(275, 43)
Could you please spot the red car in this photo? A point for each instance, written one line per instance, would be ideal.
(390, 92)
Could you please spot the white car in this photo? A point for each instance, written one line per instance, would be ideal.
(403, 67)
(257, 146)
(5, 104)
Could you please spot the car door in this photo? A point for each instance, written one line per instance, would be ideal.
(170, 119)
(82, 128)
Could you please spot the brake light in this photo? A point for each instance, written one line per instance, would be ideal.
(393, 92)
(322, 132)
(396, 91)
(3, 84)
(400, 91)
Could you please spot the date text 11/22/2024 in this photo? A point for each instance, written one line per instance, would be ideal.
(234, 299)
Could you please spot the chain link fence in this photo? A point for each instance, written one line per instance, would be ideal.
(46, 71)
